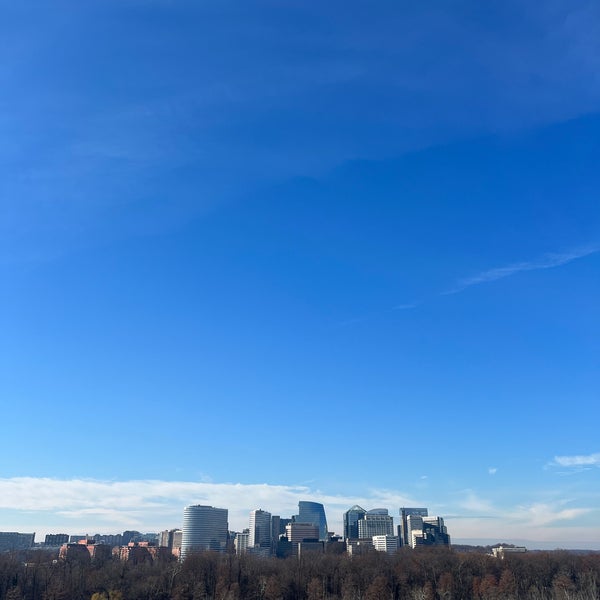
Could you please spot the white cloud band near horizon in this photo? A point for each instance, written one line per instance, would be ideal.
(48, 505)
(158, 504)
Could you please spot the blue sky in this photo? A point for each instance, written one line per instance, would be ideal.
(256, 252)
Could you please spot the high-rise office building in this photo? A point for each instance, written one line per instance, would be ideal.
(386, 543)
(313, 512)
(404, 513)
(130, 536)
(204, 528)
(260, 529)
(435, 532)
(427, 531)
(12, 540)
(283, 523)
(56, 539)
(275, 525)
(299, 532)
(375, 522)
(351, 519)
(414, 529)
(170, 538)
(240, 543)
(177, 537)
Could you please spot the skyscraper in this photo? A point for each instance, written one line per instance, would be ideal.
(240, 543)
(170, 538)
(313, 512)
(434, 532)
(375, 522)
(298, 532)
(275, 525)
(414, 529)
(12, 540)
(404, 532)
(351, 518)
(204, 528)
(386, 543)
(260, 529)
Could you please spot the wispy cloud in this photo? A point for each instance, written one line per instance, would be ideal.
(541, 514)
(547, 517)
(534, 514)
(548, 261)
(473, 502)
(492, 470)
(577, 460)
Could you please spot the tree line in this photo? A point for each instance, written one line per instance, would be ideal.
(423, 574)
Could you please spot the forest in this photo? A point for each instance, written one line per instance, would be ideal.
(427, 574)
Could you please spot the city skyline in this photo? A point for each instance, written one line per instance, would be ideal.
(283, 251)
(284, 503)
(207, 528)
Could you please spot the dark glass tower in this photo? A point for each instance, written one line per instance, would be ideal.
(404, 513)
(314, 513)
(351, 519)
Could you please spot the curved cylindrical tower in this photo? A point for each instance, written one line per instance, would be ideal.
(204, 528)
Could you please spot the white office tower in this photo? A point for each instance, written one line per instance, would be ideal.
(386, 543)
(204, 528)
(375, 522)
(240, 543)
(260, 529)
(414, 526)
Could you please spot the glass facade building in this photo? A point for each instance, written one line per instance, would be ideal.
(376, 522)
(314, 513)
(260, 529)
(351, 519)
(404, 531)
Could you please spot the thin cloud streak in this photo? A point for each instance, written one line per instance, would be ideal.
(578, 460)
(542, 514)
(548, 261)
